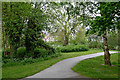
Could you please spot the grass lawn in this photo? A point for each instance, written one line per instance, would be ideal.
(92, 67)
(21, 71)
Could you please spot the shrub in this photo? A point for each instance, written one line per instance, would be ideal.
(19, 61)
(57, 50)
(21, 52)
(27, 60)
(73, 48)
(42, 44)
(40, 52)
(7, 53)
(95, 44)
(50, 52)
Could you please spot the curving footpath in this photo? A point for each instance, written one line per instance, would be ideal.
(63, 69)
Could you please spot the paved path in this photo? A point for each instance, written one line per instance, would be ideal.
(63, 69)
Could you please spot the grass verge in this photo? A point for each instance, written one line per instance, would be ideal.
(21, 71)
(92, 67)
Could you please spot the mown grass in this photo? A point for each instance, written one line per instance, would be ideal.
(92, 68)
(21, 71)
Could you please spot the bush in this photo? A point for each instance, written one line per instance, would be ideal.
(7, 53)
(40, 52)
(21, 52)
(57, 50)
(73, 48)
(18, 61)
(50, 52)
(27, 60)
(94, 44)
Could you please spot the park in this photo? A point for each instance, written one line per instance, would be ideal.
(60, 40)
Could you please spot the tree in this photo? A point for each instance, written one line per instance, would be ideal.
(23, 24)
(36, 22)
(14, 16)
(104, 23)
(65, 17)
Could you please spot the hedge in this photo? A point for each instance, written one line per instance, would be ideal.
(73, 48)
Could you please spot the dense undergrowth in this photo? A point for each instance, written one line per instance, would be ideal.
(73, 48)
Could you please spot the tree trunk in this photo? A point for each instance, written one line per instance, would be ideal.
(66, 40)
(118, 37)
(106, 49)
(3, 44)
(10, 49)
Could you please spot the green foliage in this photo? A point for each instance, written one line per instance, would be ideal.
(7, 53)
(79, 37)
(55, 43)
(107, 21)
(94, 44)
(14, 17)
(57, 50)
(23, 24)
(30, 60)
(113, 40)
(35, 25)
(73, 48)
(27, 60)
(40, 52)
(42, 44)
(21, 52)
